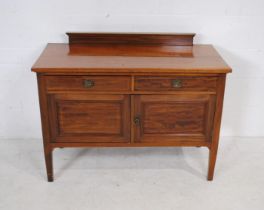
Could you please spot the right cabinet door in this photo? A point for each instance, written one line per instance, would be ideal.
(170, 118)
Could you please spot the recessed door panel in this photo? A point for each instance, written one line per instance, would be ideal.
(173, 117)
(90, 118)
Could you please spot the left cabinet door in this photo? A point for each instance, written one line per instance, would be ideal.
(80, 117)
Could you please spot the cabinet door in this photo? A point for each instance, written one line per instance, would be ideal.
(160, 118)
(89, 118)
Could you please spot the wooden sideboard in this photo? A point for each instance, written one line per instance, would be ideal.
(130, 90)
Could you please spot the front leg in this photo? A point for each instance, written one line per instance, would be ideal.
(211, 164)
(49, 163)
(43, 102)
(216, 127)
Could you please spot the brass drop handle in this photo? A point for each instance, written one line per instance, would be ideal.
(176, 83)
(88, 83)
(137, 120)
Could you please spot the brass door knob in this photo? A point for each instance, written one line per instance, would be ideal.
(137, 120)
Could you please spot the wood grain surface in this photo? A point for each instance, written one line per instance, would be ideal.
(130, 90)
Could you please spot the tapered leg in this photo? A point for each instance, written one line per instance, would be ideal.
(45, 126)
(49, 164)
(216, 127)
(211, 164)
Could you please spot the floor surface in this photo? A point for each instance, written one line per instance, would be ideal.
(133, 178)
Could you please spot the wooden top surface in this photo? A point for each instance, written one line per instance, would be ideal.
(121, 58)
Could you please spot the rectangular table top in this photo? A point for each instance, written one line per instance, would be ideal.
(119, 58)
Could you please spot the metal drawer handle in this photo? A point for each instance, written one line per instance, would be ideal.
(176, 83)
(88, 83)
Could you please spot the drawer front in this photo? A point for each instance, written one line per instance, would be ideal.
(176, 83)
(88, 83)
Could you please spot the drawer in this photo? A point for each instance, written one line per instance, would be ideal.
(89, 83)
(175, 83)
